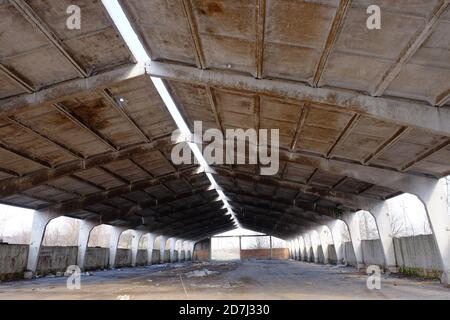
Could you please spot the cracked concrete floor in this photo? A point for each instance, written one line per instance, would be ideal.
(227, 280)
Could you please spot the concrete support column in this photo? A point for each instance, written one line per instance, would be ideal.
(352, 221)
(172, 242)
(299, 249)
(435, 201)
(113, 244)
(40, 222)
(324, 244)
(307, 241)
(162, 250)
(293, 253)
(186, 250)
(381, 214)
(86, 227)
(191, 249)
(337, 240)
(150, 244)
(304, 249)
(296, 249)
(136, 237)
(314, 248)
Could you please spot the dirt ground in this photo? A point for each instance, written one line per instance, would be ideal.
(226, 280)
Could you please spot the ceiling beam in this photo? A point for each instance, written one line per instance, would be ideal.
(260, 29)
(413, 45)
(443, 99)
(391, 179)
(78, 204)
(41, 136)
(199, 56)
(71, 88)
(333, 35)
(116, 104)
(14, 185)
(28, 13)
(294, 203)
(80, 123)
(16, 79)
(435, 120)
(349, 200)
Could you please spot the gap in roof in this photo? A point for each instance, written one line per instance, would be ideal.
(136, 47)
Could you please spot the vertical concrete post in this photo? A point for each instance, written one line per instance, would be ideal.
(304, 256)
(192, 249)
(324, 244)
(181, 256)
(293, 249)
(434, 199)
(39, 224)
(172, 242)
(86, 227)
(352, 221)
(314, 247)
(136, 237)
(113, 244)
(296, 249)
(307, 246)
(162, 250)
(381, 214)
(337, 240)
(150, 244)
(186, 250)
(271, 245)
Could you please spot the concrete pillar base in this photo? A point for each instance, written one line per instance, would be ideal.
(360, 266)
(40, 222)
(392, 269)
(445, 278)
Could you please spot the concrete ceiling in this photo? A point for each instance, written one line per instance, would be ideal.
(360, 112)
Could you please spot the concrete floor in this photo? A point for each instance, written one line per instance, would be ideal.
(233, 280)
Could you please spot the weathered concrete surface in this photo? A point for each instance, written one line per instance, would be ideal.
(155, 256)
(141, 259)
(123, 258)
(56, 259)
(96, 258)
(332, 254)
(13, 260)
(349, 254)
(247, 280)
(372, 252)
(417, 255)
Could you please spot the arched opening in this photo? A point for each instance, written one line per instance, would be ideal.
(408, 216)
(15, 225)
(167, 251)
(329, 251)
(156, 254)
(178, 251)
(62, 231)
(97, 253)
(100, 236)
(124, 253)
(317, 247)
(367, 226)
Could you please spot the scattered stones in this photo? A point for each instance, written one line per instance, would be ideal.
(200, 273)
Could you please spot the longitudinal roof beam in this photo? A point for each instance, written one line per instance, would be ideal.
(434, 120)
